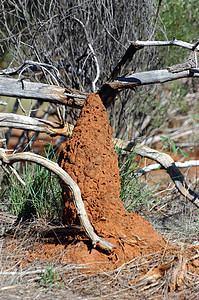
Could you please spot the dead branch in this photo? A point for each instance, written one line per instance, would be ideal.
(34, 124)
(166, 162)
(127, 57)
(163, 159)
(65, 96)
(174, 42)
(39, 125)
(109, 89)
(153, 167)
(73, 187)
(48, 93)
(133, 80)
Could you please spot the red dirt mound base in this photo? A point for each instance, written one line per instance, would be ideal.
(89, 158)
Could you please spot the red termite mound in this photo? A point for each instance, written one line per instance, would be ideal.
(89, 158)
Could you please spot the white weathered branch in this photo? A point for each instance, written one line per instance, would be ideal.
(48, 93)
(93, 54)
(154, 167)
(34, 124)
(166, 162)
(167, 43)
(71, 184)
(187, 164)
(3, 103)
(149, 77)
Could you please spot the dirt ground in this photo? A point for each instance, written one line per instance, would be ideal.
(40, 262)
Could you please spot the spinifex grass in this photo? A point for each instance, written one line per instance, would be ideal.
(133, 192)
(41, 197)
(50, 277)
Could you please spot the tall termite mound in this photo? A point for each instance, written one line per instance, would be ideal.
(89, 158)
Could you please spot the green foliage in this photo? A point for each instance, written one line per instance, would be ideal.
(133, 192)
(159, 106)
(40, 197)
(50, 277)
(180, 20)
(168, 143)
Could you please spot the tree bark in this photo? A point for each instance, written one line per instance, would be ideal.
(34, 124)
(49, 93)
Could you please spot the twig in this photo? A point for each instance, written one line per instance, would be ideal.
(4, 288)
(24, 273)
(156, 18)
(17, 176)
(28, 64)
(93, 54)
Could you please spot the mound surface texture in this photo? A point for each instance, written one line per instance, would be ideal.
(89, 158)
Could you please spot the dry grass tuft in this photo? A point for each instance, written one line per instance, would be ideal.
(172, 274)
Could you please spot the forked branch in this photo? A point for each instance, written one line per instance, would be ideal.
(73, 187)
(93, 54)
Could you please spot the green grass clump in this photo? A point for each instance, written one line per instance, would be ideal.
(41, 197)
(50, 277)
(134, 193)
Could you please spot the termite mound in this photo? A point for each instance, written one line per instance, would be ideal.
(89, 158)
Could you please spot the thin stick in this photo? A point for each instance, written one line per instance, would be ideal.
(174, 42)
(93, 54)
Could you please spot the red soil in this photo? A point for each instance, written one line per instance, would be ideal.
(89, 158)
